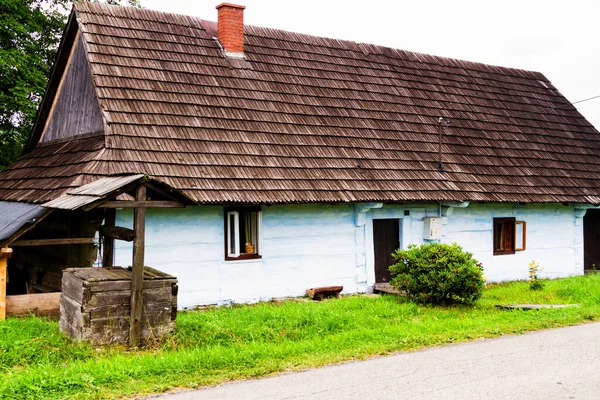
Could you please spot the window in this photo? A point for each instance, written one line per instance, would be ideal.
(242, 233)
(520, 235)
(509, 236)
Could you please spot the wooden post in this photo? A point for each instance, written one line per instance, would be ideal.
(109, 243)
(4, 255)
(137, 276)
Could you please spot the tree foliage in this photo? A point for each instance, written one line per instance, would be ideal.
(29, 37)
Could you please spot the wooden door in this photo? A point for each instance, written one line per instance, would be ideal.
(386, 240)
(591, 240)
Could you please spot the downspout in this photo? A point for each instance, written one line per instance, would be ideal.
(442, 122)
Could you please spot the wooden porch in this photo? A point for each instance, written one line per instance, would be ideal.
(79, 228)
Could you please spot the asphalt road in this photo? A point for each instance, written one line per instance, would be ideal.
(553, 364)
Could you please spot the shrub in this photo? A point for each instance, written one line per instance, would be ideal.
(438, 273)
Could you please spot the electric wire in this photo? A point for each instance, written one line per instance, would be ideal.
(527, 112)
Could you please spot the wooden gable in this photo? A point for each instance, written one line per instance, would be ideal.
(75, 110)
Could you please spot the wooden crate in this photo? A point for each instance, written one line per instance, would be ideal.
(95, 304)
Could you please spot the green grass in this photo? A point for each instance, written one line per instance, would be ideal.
(229, 343)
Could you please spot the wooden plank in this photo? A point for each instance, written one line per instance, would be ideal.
(319, 293)
(60, 84)
(156, 274)
(137, 283)
(74, 332)
(52, 242)
(41, 288)
(109, 242)
(70, 311)
(42, 304)
(153, 320)
(141, 204)
(4, 255)
(108, 286)
(385, 287)
(123, 297)
(533, 306)
(119, 311)
(168, 192)
(100, 274)
(117, 232)
(26, 228)
(112, 330)
(72, 286)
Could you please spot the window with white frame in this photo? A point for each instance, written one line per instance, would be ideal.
(242, 233)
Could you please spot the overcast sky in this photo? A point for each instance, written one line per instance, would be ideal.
(561, 39)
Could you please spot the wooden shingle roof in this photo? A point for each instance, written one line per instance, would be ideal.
(310, 119)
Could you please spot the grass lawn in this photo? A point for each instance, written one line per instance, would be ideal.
(238, 342)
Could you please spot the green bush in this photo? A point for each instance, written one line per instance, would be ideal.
(437, 273)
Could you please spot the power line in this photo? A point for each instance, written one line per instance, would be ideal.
(590, 98)
(516, 113)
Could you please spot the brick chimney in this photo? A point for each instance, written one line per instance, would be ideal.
(230, 27)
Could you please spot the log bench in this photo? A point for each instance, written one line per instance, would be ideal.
(319, 293)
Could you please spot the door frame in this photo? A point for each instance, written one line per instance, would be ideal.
(586, 238)
(369, 243)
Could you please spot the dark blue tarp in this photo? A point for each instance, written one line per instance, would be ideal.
(14, 215)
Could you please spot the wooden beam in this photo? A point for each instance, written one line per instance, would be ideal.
(110, 219)
(117, 232)
(26, 228)
(125, 189)
(141, 204)
(169, 194)
(52, 242)
(137, 276)
(40, 304)
(4, 255)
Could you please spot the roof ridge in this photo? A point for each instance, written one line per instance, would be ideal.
(418, 56)
(144, 14)
(346, 44)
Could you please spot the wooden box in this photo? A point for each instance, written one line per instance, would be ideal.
(95, 304)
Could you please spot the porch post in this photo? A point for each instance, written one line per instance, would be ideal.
(137, 278)
(5, 253)
(109, 243)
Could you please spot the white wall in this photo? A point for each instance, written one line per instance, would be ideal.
(554, 236)
(306, 246)
(303, 246)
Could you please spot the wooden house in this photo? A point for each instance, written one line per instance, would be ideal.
(277, 161)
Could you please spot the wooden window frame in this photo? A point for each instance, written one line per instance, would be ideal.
(523, 235)
(238, 254)
(502, 244)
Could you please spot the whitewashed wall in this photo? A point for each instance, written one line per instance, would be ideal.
(305, 246)
(554, 236)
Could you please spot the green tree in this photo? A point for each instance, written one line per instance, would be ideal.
(29, 37)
